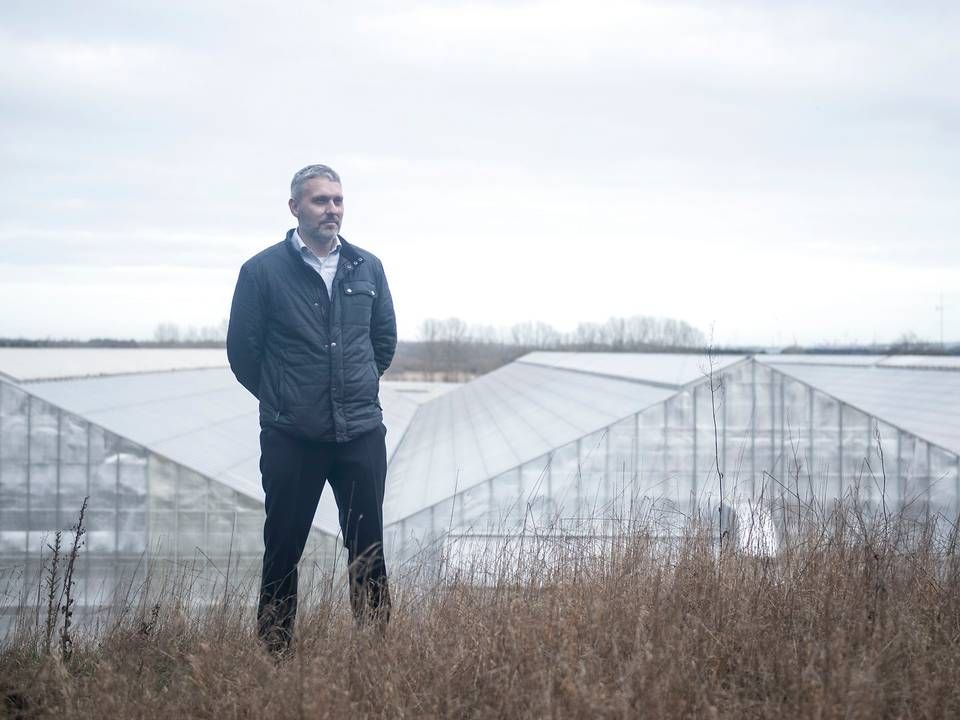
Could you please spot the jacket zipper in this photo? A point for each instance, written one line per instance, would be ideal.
(279, 389)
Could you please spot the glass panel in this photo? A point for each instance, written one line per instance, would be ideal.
(534, 477)
(738, 437)
(101, 530)
(708, 437)
(132, 481)
(592, 491)
(417, 534)
(103, 445)
(793, 438)
(43, 520)
(13, 423)
(678, 453)
(132, 520)
(443, 517)
(161, 540)
(540, 508)
(133, 531)
(884, 462)
(763, 385)
(100, 583)
(246, 503)
(73, 488)
(103, 484)
(190, 532)
(163, 483)
(189, 545)
(826, 446)
(621, 443)
(130, 575)
(44, 439)
(943, 481)
(191, 490)
(162, 522)
(221, 497)
(507, 502)
(14, 541)
(73, 439)
(43, 487)
(564, 469)
(249, 539)
(13, 485)
(652, 446)
(476, 507)
(913, 458)
(680, 410)
(220, 522)
(857, 463)
(13, 518)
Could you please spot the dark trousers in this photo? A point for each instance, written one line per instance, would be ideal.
(294, 472)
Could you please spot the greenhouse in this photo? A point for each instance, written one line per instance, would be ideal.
(145, 510)
(169, 462)
(552, 444)
(580, 442)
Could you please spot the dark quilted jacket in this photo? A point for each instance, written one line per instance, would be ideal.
(313, 363)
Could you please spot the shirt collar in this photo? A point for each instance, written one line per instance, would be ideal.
(301, 246)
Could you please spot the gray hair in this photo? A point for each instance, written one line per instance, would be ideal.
(311, 171)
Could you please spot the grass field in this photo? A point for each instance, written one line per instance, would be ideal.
(853, 617)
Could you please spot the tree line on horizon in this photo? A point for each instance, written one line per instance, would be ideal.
(450, 349)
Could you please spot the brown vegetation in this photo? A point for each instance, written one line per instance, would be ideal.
(855, 617)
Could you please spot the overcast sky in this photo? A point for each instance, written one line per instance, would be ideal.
(775, 172)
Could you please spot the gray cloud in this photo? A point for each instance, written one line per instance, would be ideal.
(747, 134)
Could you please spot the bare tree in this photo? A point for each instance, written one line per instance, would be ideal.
(167, 332)
(534, 334)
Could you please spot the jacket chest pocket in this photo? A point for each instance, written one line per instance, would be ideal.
(357, 298)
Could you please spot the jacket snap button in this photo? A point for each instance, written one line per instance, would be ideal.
(333, 345)
(349, 290)
(373, 292)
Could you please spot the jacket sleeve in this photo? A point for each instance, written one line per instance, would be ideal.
(383, 325)
(245, 332)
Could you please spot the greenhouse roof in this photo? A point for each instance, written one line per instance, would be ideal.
(945, 362)
(26, 364)
(670, 370)
(514, 414)
(924, 402)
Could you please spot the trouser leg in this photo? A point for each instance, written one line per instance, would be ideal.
(293, 475)
(357, 476)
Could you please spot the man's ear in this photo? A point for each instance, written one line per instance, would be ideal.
(294, 210)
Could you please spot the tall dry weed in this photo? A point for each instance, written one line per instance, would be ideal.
(857, 615)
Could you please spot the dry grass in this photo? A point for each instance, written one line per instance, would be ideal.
(854, 617)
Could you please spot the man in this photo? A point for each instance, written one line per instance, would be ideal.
(311, 331)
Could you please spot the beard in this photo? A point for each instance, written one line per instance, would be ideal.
(321, 234)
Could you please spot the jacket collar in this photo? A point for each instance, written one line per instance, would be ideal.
(347, 251)
(350, 257)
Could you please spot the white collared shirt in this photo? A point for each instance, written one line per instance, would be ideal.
(326, 267)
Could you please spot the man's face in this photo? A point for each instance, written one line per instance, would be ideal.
(319, 209)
